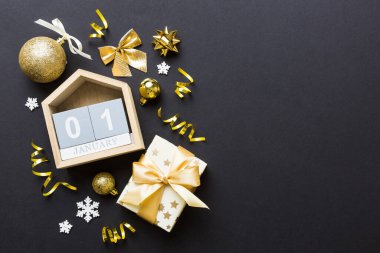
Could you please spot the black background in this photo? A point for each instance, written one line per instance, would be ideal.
(287, 94)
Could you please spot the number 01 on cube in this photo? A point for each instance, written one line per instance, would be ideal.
(92, 129)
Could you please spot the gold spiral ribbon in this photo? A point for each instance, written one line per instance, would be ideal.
(97, 28)
(183, 125)
(38, 157)
(182, 87)
(113, 236)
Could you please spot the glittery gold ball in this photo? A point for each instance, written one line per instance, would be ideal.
(42, 59)
(104, 183)
(149, 89)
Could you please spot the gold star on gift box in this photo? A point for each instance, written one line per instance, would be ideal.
(167, 215)
(155, 152)
(174, 204)
(166, 162)
(165, 41)
(161, 207)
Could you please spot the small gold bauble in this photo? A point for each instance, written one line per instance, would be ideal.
(42, 59)
(104, 184)
(149, 89)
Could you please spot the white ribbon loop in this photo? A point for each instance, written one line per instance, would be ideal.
(58, 27)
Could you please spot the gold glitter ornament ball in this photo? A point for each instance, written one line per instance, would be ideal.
(42, 59)
(149, 89)
(104, 184)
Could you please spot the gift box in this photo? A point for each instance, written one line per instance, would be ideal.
(162, 183)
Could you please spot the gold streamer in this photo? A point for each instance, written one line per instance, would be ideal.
(183, 125)
(113, 236)
(97, 28)
(37, 157)
(182, 87)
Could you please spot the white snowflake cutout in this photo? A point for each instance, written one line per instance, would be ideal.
(88, 210)
(31, 103)
(65, 227)
(163, 68)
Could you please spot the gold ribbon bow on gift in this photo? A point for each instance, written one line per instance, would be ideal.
(125, 54)
(151, 182)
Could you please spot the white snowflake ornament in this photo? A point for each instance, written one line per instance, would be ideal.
(163, 68)
(65, 227)
(31, 103)
(88, 210)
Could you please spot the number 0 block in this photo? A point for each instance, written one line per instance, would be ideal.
(73, 127)
(108, 119)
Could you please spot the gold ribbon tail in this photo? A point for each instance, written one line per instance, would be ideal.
(189, 197)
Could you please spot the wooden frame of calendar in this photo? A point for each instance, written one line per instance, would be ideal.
(85, 88)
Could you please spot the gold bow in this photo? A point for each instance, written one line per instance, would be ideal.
(151, 183)
(125, 54)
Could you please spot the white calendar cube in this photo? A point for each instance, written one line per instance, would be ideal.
(108, 119)
(73, 127)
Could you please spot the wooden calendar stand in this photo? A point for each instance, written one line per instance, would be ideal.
(85, 88)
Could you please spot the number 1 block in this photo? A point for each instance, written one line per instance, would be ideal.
(108, 119)
(73, 127)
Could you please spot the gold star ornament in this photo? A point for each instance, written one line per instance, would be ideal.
(166, 41)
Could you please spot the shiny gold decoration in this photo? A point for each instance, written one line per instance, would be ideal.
(42, 59)
(183, 125)
(113, 236)
(166, 41)
(182, 87)
(149, 89)
(104, 184)
(125, 54)
(38, 157)
(151, 182)
(97, 28)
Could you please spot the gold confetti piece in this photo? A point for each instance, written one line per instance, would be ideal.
(38, 157)
(97, 28)
(182, 87)
(183, 125)
(113, 236)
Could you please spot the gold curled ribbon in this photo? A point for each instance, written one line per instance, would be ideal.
(182, 87)
(125, 54)
(113, 236)
(150, 182)
(183, 125)
(37, 157)
(97, 28)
